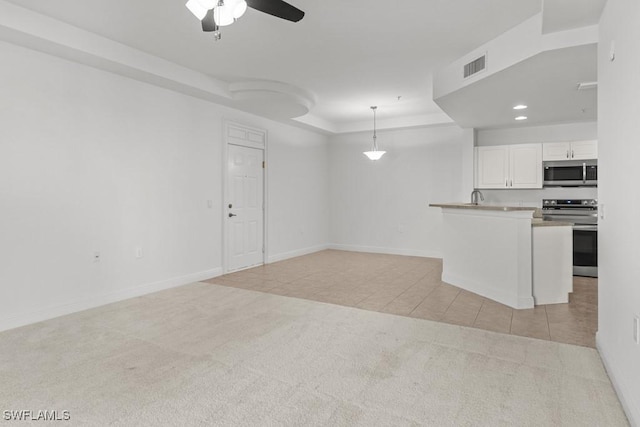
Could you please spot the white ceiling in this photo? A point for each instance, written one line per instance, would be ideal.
(348, 54)
(547, 83)
(561, 15)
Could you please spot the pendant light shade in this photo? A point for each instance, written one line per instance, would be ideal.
(374, 154)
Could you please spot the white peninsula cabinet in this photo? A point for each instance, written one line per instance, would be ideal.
(575, 150)
(508, 166)
(506, 254)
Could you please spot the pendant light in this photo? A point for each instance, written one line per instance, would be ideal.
(374, 154)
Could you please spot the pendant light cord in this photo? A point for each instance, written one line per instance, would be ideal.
(375, 144)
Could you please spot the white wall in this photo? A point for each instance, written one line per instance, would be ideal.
(382, 206)
(91, 161)
(619, 230)
(298, 192)
(536, 134)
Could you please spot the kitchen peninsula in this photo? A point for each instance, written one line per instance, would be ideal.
(506, 253)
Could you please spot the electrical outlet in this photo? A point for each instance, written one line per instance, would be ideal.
(636, 329)
(96, 256)
(138, 252)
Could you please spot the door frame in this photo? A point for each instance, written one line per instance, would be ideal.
(253, 138)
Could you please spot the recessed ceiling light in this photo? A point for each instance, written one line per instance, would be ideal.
(520, 107)
(521, 118)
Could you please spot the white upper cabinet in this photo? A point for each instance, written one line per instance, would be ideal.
(556, 151)
(584, 150)
(509, 166)
(525, 166)
(575, 150)
(492, 167)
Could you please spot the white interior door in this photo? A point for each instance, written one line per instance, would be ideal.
(245, 219)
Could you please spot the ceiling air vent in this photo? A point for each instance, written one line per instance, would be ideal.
(475, 66)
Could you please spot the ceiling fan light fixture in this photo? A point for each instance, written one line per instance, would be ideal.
(209, 4)
(240, 9)
(214, 14)
(226, 12)
(198, 9)
(223, 15)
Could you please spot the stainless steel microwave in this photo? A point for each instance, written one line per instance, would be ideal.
(571, 173)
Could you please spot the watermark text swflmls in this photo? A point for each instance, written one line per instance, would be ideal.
(40, 415)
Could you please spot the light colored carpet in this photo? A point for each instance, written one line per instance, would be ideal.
(204, 354)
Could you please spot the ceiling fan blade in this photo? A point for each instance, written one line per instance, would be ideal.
(208, 23)
(278, 8)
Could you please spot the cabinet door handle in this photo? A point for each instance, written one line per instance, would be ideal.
(567, 154)
(572, 156)
(506, 182)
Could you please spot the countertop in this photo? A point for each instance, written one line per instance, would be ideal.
(538, 222)
(482, 207)
(487, 207)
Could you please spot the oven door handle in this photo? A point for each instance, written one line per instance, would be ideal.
(585, 227)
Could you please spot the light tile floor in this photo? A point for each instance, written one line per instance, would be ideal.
(412, 286)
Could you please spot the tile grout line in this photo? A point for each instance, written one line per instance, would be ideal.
(450, 304)
(401, 293)
(546, 315)
(511, 321)
(423, 300)
(482, 299)
(478, 313)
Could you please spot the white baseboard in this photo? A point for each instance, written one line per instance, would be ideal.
(98, 300)
(383, 250)
(298, 252)
(619, 382)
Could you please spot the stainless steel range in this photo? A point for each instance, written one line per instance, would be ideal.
(583, 214)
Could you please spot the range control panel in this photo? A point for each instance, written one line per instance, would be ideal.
(591, 204)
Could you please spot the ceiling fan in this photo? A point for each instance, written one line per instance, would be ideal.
(218, 13)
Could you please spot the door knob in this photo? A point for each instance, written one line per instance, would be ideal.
(232, 215)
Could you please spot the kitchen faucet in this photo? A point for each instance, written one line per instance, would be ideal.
(474, 197)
